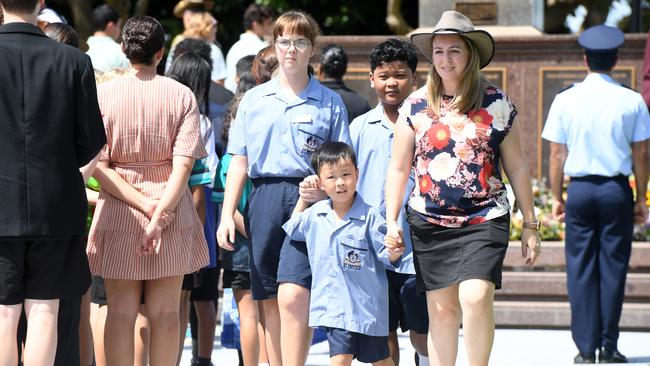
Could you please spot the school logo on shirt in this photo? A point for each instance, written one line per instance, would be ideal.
(352, 261)
(310, 145)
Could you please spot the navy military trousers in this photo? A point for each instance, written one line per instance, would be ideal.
(599, 224)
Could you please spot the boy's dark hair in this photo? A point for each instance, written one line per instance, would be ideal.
(256, 13)
(142, 37)
(333, 61)
(198, 46)
(19, 6)
(330, 153)
(393, 50)
(245, 64)
(62, 33)
(601, 61)
(102, 15)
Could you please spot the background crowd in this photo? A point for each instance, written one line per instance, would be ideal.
(316, 210)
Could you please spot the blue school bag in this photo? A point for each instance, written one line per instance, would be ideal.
(230, 323)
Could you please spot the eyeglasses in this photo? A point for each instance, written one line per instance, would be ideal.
(301, 44)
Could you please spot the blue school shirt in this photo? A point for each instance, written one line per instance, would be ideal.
(598, 119)
(372, 139)
(278, 136)
(347, 257)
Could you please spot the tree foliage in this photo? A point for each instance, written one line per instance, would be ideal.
(336, 17)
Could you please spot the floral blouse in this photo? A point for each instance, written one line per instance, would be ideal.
(456, 160)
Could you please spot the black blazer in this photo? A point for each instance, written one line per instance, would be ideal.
(50, 125)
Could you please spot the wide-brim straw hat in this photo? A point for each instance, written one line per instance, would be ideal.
(184, 4)
(453, 22)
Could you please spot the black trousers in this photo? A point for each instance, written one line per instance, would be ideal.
(599, 224)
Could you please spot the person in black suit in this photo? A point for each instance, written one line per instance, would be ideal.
(332, 65)
(50, 126)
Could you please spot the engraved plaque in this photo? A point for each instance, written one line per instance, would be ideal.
(553, 80)
(479, 12)
(497, 76)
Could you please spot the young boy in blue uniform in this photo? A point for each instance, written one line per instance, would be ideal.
(347, 256)
(393, 76)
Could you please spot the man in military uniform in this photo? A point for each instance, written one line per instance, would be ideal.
(598, 131)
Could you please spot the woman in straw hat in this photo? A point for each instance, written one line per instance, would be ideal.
(454, 133)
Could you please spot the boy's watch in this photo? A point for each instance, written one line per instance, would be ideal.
(535, 225)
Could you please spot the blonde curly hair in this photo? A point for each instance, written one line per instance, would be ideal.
(200, 25)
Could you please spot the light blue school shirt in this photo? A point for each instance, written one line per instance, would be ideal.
(598, 120)
(278, 136)
(372, 138)
(105, 53)
(347, 257)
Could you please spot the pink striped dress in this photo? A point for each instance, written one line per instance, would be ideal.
(147, 122)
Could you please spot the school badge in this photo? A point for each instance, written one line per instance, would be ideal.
(352, 261)
(310, 145)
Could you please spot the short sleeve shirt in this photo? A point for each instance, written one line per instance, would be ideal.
(372, 140)
(598, 120)
(279, 136)
(349, 289)
(456, 160)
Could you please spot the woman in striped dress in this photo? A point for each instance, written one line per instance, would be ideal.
(146, 233)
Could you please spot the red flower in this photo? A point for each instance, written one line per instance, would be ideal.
(439, 135)
(485, 175)
(426, 184)
(476, 220)
(481, 116)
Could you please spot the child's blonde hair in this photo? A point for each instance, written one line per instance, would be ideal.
(199, 25)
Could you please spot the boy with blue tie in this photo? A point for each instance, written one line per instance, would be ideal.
(344, 238)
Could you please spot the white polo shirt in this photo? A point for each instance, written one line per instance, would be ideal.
(249, 44)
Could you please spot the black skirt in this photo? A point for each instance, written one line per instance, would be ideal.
(444, 256)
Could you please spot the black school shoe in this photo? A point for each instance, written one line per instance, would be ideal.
(611, 356)
(585, 358)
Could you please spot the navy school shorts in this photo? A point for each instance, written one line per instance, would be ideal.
(272, 257)
(407, 309)
(363, 347)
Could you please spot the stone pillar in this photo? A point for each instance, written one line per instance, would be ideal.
(506, 12)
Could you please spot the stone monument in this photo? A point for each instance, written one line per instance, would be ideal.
(520, 17)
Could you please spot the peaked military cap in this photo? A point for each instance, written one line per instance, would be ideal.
(601, 38)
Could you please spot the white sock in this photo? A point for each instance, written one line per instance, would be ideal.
(266, 364)
(424, 360)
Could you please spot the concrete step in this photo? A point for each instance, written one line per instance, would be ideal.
(552, 285)
(551, 314)
(552, 257)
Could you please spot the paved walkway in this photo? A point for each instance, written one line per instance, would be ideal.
(512, 347)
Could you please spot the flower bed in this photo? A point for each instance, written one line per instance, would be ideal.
(552, 229)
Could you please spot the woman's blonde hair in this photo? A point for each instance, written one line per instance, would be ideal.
(469, 95)
(296, 22)
(199, 25)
